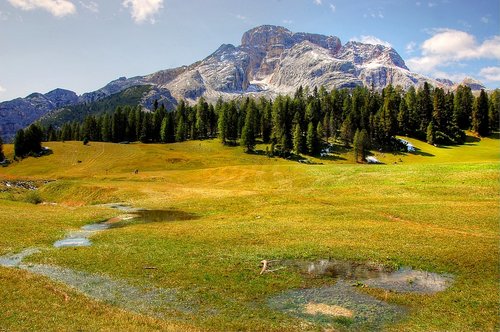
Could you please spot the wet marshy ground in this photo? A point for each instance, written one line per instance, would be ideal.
(341, 304)
(337, 304)
(132, 216)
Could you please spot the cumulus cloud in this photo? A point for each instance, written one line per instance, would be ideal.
(333, 8)
(449, 46)
(318, 2)
(371, 40)
(58, 8)
(143, 10)
(491, 74)
(90, 6)
(2, 89)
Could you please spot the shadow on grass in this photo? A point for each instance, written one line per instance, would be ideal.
(150, 216)
(332, 158)
(419, 152)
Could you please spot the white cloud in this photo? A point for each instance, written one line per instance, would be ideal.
(371, 40)
(410, 47)
(241, 17)
(143, 10)
(447, 47)
(90, 6)
(287, 21)
(333, 8)
(318, 2)
(58, 8)
(490, 74)
(2, 89)
(431, 4)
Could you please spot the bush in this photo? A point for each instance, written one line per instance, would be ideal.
(33, 197)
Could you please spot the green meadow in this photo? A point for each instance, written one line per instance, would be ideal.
(435, 210)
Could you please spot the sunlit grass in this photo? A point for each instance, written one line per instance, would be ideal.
(436, 211)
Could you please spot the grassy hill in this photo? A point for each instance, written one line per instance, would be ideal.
(434, 210)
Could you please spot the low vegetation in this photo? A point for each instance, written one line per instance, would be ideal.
(435, 209)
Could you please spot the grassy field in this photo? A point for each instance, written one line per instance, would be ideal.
(435, 210)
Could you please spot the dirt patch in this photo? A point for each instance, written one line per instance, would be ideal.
(369, 313)
(324, 309)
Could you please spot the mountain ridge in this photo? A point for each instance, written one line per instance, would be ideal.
(270, 60)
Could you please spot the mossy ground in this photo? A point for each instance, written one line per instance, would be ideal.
(435, 210)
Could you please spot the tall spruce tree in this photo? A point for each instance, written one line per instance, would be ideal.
(248, 131)
(311, 139)
(20, 149)
(298, 139)
(480, 121)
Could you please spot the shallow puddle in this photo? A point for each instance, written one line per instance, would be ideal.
(13, 260)
(153, 301)
(373, 275)
(342, 305)
(132, 216)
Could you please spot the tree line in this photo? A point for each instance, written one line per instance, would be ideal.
(303, 123)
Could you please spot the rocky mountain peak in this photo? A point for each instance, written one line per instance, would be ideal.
(269, 37)
(473, 84)
(361, 53)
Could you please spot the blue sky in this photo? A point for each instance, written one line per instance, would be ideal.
(83, 44)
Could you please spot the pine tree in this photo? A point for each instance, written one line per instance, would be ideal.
(163, 130)
(223, 124)
(361, 144)
(403, 118)
(311, 139)
(20, 144)
(180, 130)
(106, 134)
(298, 140)
(202, 110)
(320, 134)
(431, 133)
(145, 129)
(494, 110)
(248, 131)
(462, 108)
(33, 137)
(346, 131)
(439, 110)
(480, 123)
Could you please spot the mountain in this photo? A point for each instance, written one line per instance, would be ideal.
(271, 60)
(21, 112)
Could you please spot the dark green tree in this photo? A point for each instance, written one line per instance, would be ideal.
(494, 110)
(248, 131)
(311, 139)
(298, 139)
(480, 121)
(431, 133)
(361, 144)
(20, 149)
(462, 107)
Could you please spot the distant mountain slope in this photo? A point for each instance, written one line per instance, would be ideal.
(78, 112)
(271, 60)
